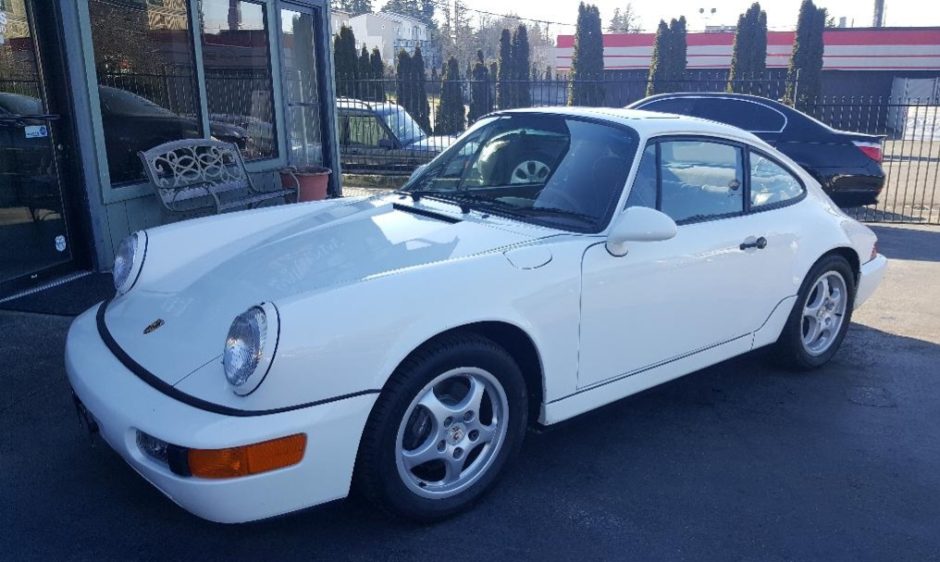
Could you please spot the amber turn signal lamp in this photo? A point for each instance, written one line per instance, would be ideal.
(249, 459)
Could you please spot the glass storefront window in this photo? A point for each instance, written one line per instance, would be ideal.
(300, 88)
(237, 61)
(33, 230)
(146, 79)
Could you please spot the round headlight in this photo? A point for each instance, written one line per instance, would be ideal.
(249, 349)
(128, 260)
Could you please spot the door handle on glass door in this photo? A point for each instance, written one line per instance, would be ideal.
(751, 242)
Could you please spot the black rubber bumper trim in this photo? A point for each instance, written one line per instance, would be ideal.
(173, 392)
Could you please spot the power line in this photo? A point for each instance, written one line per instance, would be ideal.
(446, 6)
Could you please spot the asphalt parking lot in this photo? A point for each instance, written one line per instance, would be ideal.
(741, 461)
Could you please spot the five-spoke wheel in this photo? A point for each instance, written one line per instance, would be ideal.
(451, 432)
(443, 427)
(821, 316)
(824, 312)
(529, 172)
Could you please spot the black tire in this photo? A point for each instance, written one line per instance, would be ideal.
(789, 348)
(377, 477)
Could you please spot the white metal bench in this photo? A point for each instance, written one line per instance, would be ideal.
(198, 176)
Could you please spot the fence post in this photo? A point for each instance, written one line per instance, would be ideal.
(796, 88)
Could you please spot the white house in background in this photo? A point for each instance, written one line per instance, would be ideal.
(338, 18)
(392, 32)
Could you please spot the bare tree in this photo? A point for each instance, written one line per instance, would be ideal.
(624, 21)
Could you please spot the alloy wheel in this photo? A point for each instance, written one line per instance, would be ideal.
(451, 432)
(824, 313)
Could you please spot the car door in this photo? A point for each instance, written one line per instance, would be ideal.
(703, 289)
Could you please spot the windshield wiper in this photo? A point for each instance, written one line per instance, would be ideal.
(556, 211)
(417, 194)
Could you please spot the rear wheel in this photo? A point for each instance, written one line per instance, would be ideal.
(821, 316)
(443, 428)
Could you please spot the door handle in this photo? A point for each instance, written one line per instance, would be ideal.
(759, 243)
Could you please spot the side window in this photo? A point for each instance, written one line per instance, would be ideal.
(365, 130)
(742, 114)
(643, 192)
(771, 183)
(680, 106)
(700, 180)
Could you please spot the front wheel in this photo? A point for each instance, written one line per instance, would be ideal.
(821, 315)
(443, 428)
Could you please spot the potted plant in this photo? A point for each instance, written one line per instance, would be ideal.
(311, 182)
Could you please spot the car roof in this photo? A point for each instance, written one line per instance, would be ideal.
(719, 95)
(648, 123)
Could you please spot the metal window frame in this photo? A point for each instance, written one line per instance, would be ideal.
(114, 194)
(329, 122)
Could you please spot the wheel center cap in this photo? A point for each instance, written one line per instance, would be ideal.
(456, 433)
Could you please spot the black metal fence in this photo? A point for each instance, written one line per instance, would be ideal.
(386, 127)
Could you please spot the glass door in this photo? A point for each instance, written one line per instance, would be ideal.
(34, 236)
(299, 60)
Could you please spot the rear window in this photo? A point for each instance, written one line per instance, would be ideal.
(747, 115)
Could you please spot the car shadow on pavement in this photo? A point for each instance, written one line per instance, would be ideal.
(917, 244)
(740, 460)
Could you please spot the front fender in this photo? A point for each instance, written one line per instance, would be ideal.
(350, 339)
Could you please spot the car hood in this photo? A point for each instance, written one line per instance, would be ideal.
(197, 298)
(432, 144)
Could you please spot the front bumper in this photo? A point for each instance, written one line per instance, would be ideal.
(121, 404)
(871, 275)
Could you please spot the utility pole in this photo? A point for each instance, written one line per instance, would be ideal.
(879, 17)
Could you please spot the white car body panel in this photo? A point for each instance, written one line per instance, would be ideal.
(122, 404)
(359, 284)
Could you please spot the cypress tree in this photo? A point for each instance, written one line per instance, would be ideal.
(504, 88)
(659, 65)
(481, 101)
(404, 83)
(422, 112)
(364, 75)
(804, 75)
(522, 95)
(378, 74)
(346, 62)
(587, 65)
(749, 53)
(678, 52)
(450, 118)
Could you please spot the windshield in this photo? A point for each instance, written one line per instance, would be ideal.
(553, 170)
(406, 129)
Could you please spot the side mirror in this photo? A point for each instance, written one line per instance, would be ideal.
(639, 224)
(387, 144)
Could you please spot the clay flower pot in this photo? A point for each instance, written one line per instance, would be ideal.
(311, 182)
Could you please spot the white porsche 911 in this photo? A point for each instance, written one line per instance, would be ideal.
(551, 261)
